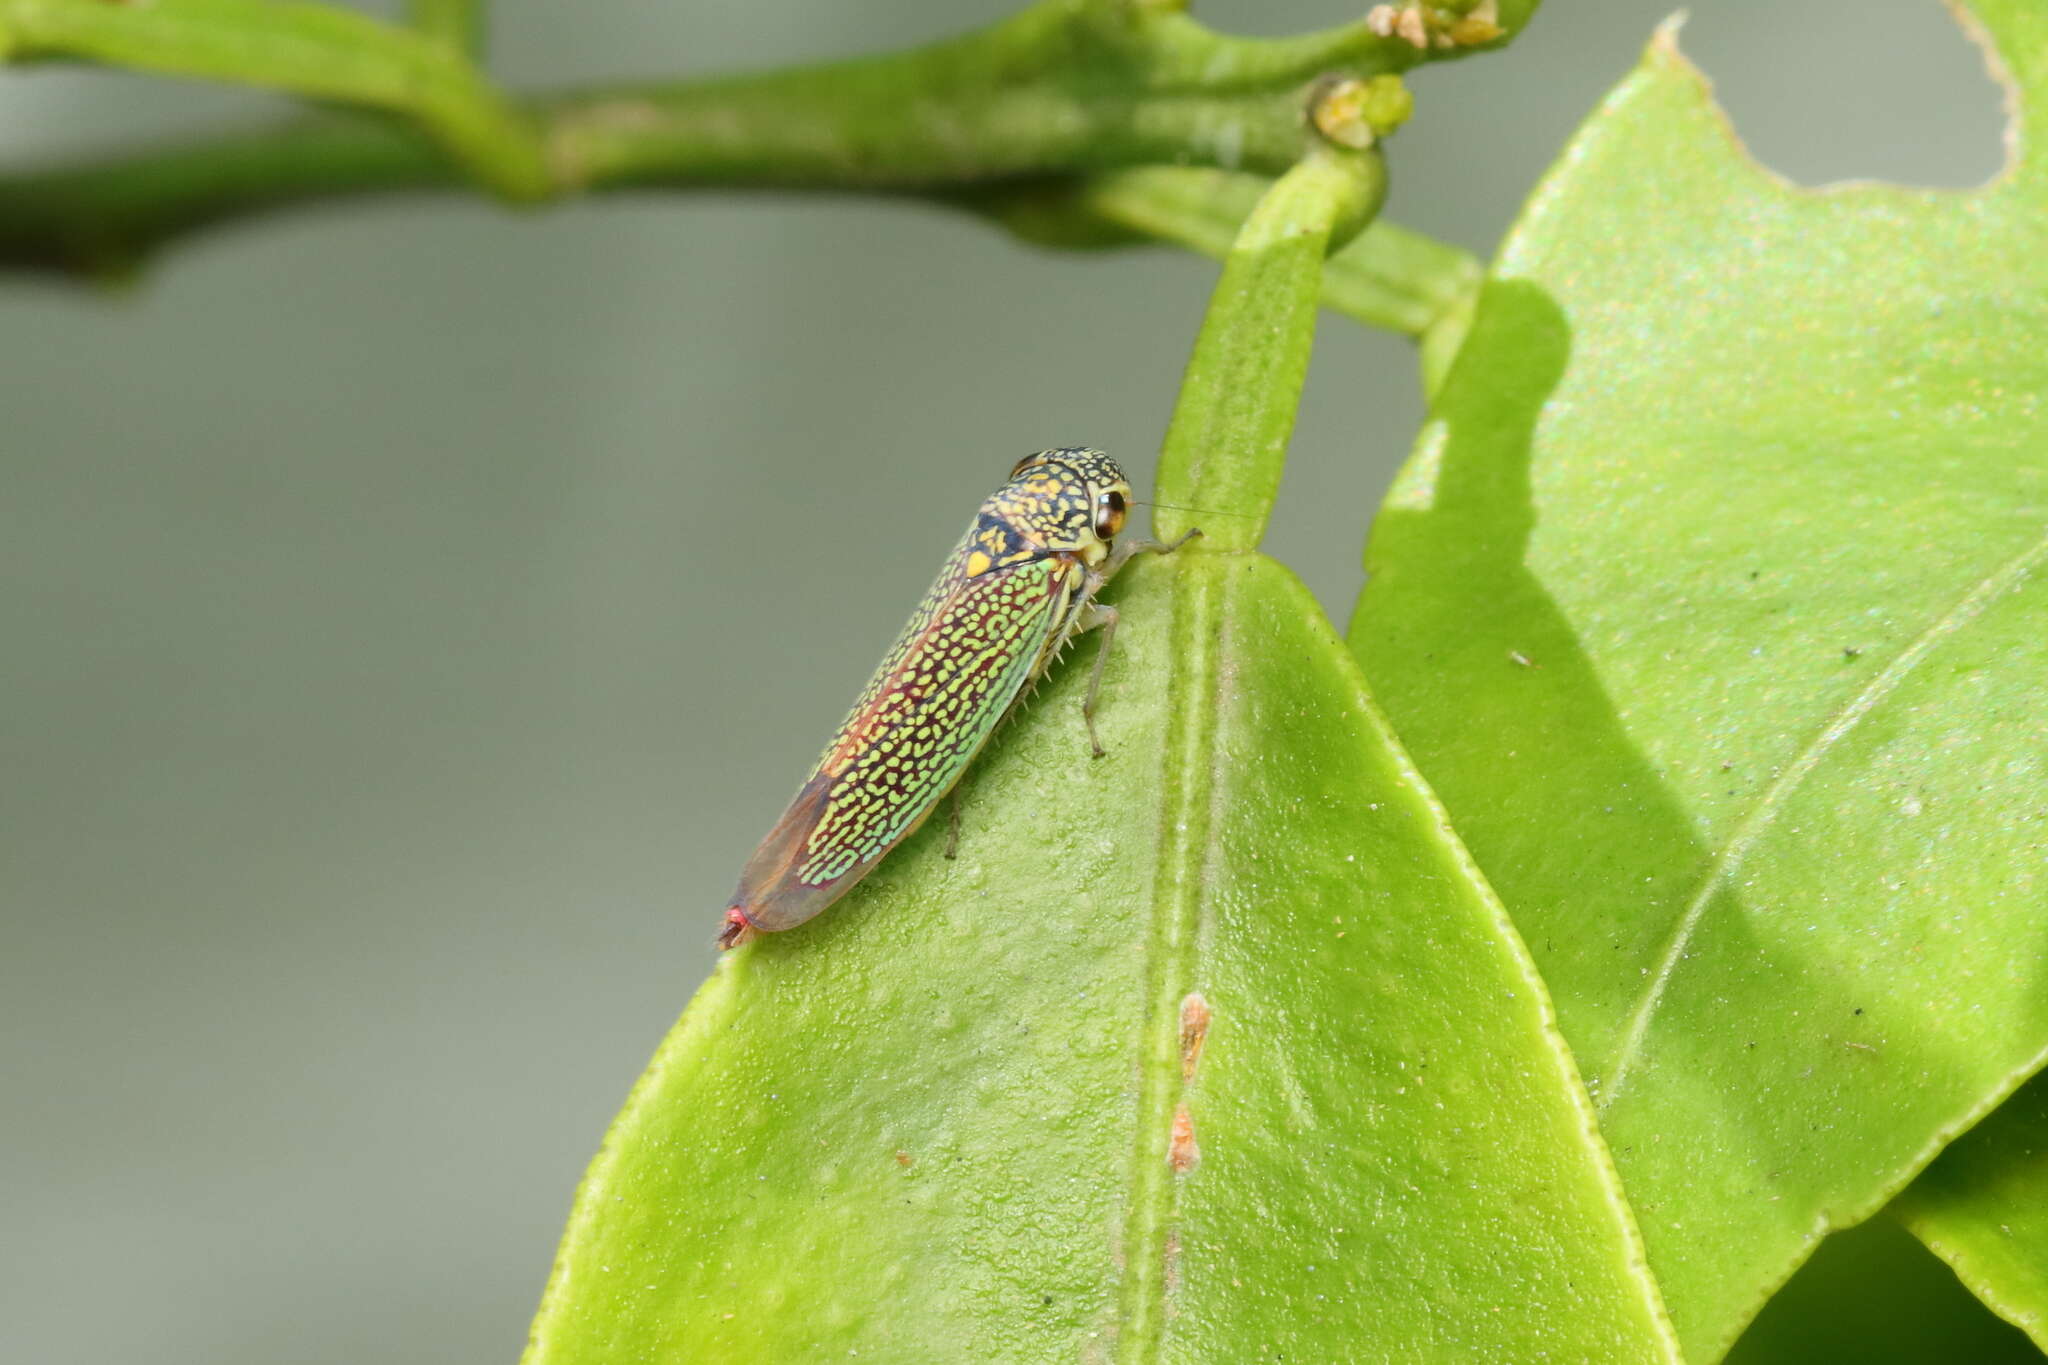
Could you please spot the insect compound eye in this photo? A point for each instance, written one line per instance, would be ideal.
(1109, 514)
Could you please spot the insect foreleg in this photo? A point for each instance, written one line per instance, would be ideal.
(1095, 615)
(1121, 555)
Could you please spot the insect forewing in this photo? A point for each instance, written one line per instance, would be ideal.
(957, 668)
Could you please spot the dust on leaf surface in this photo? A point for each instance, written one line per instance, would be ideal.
(1214, 1049)
(1757, 477)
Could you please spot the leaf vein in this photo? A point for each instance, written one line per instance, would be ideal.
(1754, 825)
(1186, 820)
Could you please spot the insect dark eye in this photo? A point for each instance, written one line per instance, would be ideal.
(1109, 514)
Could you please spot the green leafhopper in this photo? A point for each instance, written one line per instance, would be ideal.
(1020, 585)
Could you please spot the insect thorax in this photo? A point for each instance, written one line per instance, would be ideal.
(1047, 506)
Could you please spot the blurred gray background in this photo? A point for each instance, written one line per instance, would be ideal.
(411, 615)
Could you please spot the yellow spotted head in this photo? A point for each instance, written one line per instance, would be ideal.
(1057, 501)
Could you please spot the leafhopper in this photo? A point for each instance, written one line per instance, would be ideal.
(1020, 584)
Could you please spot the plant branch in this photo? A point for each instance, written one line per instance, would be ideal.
(1387, 276)
(1064, 87)
(303, 49)
(107, 220)
(1060, 87)
(1228, 439)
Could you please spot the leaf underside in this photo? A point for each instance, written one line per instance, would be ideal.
(1712, 604)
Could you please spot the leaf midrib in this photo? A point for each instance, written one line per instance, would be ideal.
(1186, 818)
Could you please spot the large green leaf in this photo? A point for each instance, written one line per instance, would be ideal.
(1983, 1208)
(1711, 604)
(938, 1123)
(1874, 1296)
(1216, 1050)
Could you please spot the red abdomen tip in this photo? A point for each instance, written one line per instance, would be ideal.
(737, 930)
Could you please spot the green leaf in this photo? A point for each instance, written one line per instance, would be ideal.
(1711, 603)
(1983, 1207)
(1216, 1050)
(937, 1123)
(1873, 1295)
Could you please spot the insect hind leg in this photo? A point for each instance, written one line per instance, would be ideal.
(1095, 616)
(952, 848)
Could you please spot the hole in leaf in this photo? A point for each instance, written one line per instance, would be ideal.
(1847, 90)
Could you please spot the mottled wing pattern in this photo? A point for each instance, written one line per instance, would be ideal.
(847, 739)
(939, 704)
(966, 655)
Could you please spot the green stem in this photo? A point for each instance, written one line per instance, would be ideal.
(1064, 87)
(458, 23)
(1220, 467)
(1058, 88)
(107, 220)
(305, 49)
(1386, 277)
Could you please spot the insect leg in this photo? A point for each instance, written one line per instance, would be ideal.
(952, 849)
(1121, 555)
(1092, 616)
(1095, 614)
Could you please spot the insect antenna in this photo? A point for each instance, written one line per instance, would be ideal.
(1178, 507)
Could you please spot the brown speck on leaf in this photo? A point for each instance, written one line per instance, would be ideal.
(1516, 656)
(903, 1159)
(1194, 1031)
(1182, 1153)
